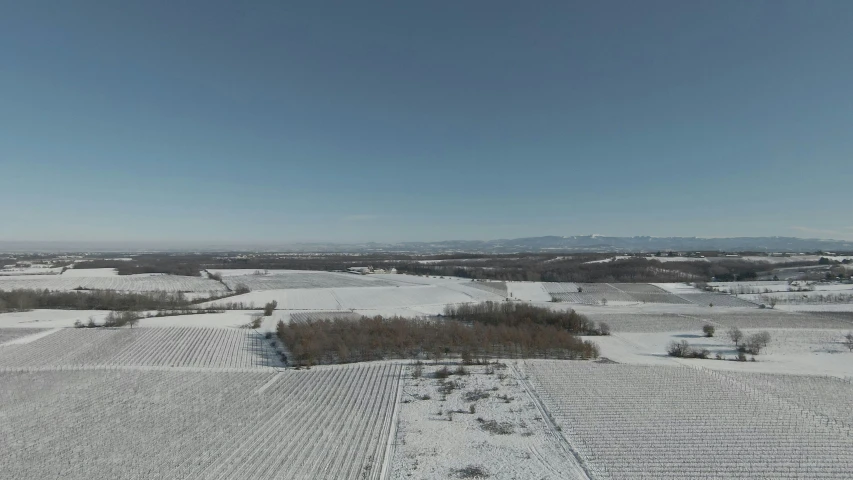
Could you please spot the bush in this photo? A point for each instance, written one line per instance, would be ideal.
(241, 288)
(683, 349)
(848, 341)
(754, 343)
(603, 329)
(443, 372)
(269, 307)
(708, 330)
(678, 349)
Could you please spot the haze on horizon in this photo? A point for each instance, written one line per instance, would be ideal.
(217, 122)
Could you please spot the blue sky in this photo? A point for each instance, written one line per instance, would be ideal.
(389, 121)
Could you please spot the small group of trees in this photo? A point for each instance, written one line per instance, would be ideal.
(683, 349)
(848, 341)
(113, 319)
(376, 338)
(751, 344)
(269, 307)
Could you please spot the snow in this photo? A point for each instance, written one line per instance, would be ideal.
(331, 423)
(49, 318)
(132, 283)
(790, 351)
(304, 279)
(156, 347)
(362, 298)
(653, 422)
(529, 291)
(438, 435)
(90, 272)
(34, 270)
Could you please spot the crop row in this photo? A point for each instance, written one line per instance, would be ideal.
(331, 424)
(181, 347)
(821, 395)
(653, 422)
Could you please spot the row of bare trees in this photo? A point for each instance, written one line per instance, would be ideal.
(90, 300)
(519, 314)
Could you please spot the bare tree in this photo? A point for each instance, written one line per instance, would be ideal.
(269, 307)
(735, 335)
(708, 330)
(772, 301)
(848, 341)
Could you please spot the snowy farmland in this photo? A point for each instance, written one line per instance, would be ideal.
(155, 347)
(306, 279)
(129, 283)
(693, 424)
(205, 397)
(142, 424)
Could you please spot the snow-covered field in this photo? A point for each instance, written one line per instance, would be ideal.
(198, 397)
(654, 422)
(306, 279)
(330, 423)
(130, 283)
(34, 270)
(150, 347)
(484, 422)
(363, 298)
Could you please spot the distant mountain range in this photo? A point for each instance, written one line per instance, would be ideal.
(556, 244)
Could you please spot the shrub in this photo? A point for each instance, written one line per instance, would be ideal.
(678, 349)
(442, 372)
(708, 330)
(474, 395)
(495, 427)
(471, 471)
(269, 307)
(754, 343)
(848, 341)
(241, 288)
(603, 329)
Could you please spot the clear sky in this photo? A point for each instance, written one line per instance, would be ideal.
(387, 121)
